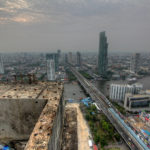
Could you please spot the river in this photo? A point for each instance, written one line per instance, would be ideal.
(103, 85)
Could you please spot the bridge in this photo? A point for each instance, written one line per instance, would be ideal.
(111, 113)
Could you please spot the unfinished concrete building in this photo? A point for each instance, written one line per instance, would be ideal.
(32, 113)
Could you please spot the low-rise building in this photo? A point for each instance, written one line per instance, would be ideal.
(137, 103)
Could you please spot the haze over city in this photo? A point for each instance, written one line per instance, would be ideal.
(74, 75)
(42, 26)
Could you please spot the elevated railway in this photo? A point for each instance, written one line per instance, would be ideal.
(110, 112)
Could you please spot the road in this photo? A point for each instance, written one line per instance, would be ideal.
(104, 104)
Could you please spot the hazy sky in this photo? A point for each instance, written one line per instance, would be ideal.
(48, 25)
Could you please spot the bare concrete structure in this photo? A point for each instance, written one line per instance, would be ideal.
(33, 112)
(70, 136)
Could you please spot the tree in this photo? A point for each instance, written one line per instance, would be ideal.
(103, 141)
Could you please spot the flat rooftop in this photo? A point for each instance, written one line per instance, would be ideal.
(52, 92)
(139, 95)
(4, 88)
(26, 91)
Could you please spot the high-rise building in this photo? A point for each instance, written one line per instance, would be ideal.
(59, 56)
(59, 52)
(118, 91)
(102, 57)
(79, 61)
(70, 58)
(50, 69)
(135, 63)
(1, 65)
(66, 58)
(53, 56)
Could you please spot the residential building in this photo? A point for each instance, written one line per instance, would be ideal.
(51, 70)
(53, 56)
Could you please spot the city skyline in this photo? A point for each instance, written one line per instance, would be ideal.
(73, 25)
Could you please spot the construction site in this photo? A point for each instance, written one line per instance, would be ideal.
(140, 124)
(31, 115)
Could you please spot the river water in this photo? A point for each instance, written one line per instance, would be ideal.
(103, 85)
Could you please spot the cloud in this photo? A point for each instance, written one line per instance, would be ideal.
(55, 23)
(34, 10)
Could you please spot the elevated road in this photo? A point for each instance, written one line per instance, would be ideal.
(104, 104)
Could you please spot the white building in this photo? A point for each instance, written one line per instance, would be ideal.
(50, 70)
(1, 66)
(137, 103)
(118, 91)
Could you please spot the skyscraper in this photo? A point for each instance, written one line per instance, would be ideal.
(66, 58)
(102, 57)
(79, 59)
(135, 63)
(53, 56)
(50, 69)
(1, 65)
(70, 57)
(59, 56)
(59, 52)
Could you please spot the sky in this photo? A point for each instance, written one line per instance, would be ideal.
(74, 25)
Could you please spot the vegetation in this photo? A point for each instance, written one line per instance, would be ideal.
(102, 130)
(71, 76)
(86, 75)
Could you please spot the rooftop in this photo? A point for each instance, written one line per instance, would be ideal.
(52, 91)
(26, 91)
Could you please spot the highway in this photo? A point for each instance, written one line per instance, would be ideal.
(104, 104)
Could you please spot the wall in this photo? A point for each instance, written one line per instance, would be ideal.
(18, 117)
(56, 137)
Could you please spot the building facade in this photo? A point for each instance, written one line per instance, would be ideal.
(135, 63)
(50, 70)
(117, 91)
(1, 66)
(79, 61)
(137, 103)
(70, 58)
(53, 56)
(102, 57)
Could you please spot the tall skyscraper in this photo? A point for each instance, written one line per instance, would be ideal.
(53, 56)
(59, 52)
(70, 58)
(135, 63)
(1, 65)
(66, 58)
(50, 70)
(102, 57)
(79, 61)
(59, 56)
